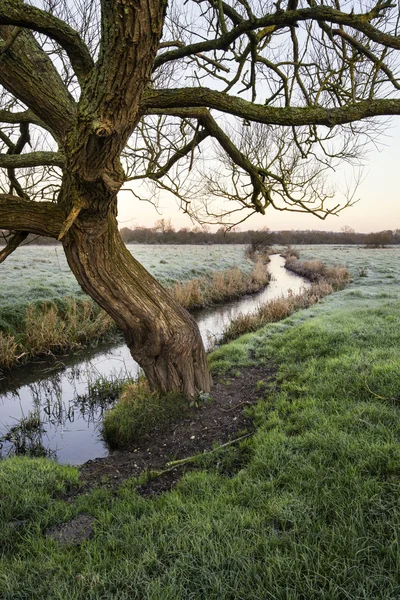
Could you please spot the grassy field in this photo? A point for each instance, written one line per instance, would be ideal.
(42, 273)
(37, 274)
(43, 310)
(310, 511)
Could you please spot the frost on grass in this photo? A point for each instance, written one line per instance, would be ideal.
(42, 273)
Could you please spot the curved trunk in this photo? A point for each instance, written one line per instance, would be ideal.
(162, 336)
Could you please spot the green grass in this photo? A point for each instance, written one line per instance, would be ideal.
(138, 412)
(313, 514)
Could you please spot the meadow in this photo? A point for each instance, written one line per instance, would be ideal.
(304, 509)
(35, 273)
(44, 311)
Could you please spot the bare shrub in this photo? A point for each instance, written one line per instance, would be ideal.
(290, 252)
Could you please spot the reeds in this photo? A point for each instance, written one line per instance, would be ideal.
(220, 286)
(317, 271)
(324, 280)
(8, 350)
(50, 327)
(275, 310)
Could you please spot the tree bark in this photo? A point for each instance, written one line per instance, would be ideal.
(162, 336)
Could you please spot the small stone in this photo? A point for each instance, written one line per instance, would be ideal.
(193, 437)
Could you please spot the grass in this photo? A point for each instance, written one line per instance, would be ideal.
(311, 515)
(37, 273)
(220, 286)
(138, 412)
(52, 327)
(69, 323)
(26, 436)
(325, 280)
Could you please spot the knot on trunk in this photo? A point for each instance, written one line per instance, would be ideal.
(103, 128)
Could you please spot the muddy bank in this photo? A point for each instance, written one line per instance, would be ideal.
(60, 392)
(210, 425)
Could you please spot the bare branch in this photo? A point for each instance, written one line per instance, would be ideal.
(26, 116)
(24, 15)
(29, 75)
(13, 244)
(168, 100)
(283, 19)
(32, 159)
(42, 218)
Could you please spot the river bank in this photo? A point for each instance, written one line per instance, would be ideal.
(67, 397)
(306, 507)
(54, 326)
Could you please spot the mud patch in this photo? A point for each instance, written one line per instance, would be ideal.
(210, 424)
(74, 532)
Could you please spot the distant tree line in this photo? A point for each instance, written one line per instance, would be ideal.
(163, 232)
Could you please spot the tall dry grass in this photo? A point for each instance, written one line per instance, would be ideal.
(325, 281)
(8, 350)
(316, 271)
(275, 310)
(220, 286)
(51, 328)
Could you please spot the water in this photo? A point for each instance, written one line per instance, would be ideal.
(53, 391)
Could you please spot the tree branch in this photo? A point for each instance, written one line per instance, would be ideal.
(30, 17)
(25, 116)
(41, 218)
(32, 159)
(165, 101)
(282, 19)
(187, 149)
(13, 244)
(28, 73)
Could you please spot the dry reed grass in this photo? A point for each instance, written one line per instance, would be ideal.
(221, 286)
(50, 328)
(324, 280)
(8, 350)
(316, 271)
(275, 310)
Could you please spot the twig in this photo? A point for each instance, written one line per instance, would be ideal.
(183, 461)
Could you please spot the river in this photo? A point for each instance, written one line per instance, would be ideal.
(56, 391)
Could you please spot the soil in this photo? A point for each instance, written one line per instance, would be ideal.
(212, 423)
(74, 532)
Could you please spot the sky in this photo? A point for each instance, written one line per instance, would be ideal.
(378, 207)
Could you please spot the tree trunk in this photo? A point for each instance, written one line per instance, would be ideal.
(162, 336)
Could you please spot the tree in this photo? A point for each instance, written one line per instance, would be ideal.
(379, 239)
(100, 94)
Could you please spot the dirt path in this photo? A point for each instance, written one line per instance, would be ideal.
(213, 423)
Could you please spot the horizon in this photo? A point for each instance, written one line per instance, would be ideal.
(377, 209)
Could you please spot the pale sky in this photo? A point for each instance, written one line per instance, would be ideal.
(378, 208)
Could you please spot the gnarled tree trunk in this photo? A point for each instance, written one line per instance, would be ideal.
(162, 336)
(91, 134)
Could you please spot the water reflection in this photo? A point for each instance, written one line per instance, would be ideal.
(61, 405)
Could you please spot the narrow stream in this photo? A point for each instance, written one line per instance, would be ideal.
(57, 392)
